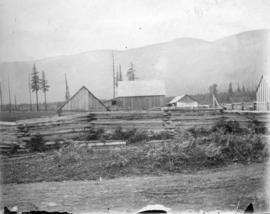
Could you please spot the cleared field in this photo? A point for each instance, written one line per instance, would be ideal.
(207, 189)
(22, 115)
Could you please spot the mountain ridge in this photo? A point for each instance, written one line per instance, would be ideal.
(160, 43)
(186, 65)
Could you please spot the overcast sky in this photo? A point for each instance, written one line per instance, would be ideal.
(33, 29)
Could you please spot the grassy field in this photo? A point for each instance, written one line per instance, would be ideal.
(21, 115)
(220, 188)
(189, 151)
(196, 169)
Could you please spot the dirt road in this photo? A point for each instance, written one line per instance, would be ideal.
(207, 189)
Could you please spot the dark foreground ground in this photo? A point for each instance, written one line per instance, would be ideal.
(220, 188)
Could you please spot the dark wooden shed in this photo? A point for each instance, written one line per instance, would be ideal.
(82, 101)
(140, 94)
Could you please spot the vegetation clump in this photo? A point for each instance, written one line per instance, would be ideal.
(198, 148)
(36, 143)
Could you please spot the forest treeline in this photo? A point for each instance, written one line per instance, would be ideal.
(238, 95)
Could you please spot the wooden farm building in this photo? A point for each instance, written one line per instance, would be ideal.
(263, 94)
(140, 94)
(184, 101)
(82, 101)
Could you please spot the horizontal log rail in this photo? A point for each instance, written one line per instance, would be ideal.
(67, 127)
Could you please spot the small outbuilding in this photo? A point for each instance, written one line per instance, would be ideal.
(263, 94)
(140, 94)
(184, 101)
(82, 101)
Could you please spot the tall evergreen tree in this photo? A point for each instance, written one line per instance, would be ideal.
(1, 98)
(238, 88)
(29, 88)
(213, 93)
(230, 90)
(67, 94)
(44, 87)
(35, 83)
(118, 75)
(243, 89)
(213, 89)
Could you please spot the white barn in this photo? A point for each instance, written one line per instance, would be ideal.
(184, 101)
(263, 94)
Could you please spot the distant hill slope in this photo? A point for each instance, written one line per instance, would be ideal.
(186, 65)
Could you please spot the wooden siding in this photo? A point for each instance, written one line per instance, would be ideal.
(83, 100)
(263, 96)
(140, 102)
(186, 102)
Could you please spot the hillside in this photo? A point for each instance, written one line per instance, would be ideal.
(187, 65)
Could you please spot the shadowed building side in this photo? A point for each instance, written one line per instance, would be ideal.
(82, 101)
(140, 94)
(263, 94)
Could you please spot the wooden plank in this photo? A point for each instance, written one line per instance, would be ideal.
(96, 143)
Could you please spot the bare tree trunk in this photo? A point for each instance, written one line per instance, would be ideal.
(37, 99)
(30, 97)
(45, 101)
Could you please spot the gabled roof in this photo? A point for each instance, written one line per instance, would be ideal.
(140, 88)
(82, 88)
(266, 78)
(178, 98)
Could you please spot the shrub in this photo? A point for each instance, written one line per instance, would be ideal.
(14, 149)
(70, 154)
(131, 135)
(118, 133)
(257, 126)
(163, 135)
(138, 137)
(182, 135)
(36, 143)
(95, 134)
(242, 148)
(230, 126)
(199, 131)
(119, 161)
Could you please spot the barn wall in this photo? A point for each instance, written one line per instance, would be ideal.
(263, 96)
(187, 104)
(83, 101)
(141, 103)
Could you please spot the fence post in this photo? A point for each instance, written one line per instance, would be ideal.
(255, 106)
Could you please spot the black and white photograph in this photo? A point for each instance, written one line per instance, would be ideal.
(134, 106)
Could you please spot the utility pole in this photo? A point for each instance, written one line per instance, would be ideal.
(15, 103)
(9, 99)
(67, 96)
(1, 98)
(30, 95)
(120, 73)
(113, 74)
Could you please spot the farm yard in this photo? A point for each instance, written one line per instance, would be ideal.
(23, 115)
(184, 160)
(114, 106)
(207, 189)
